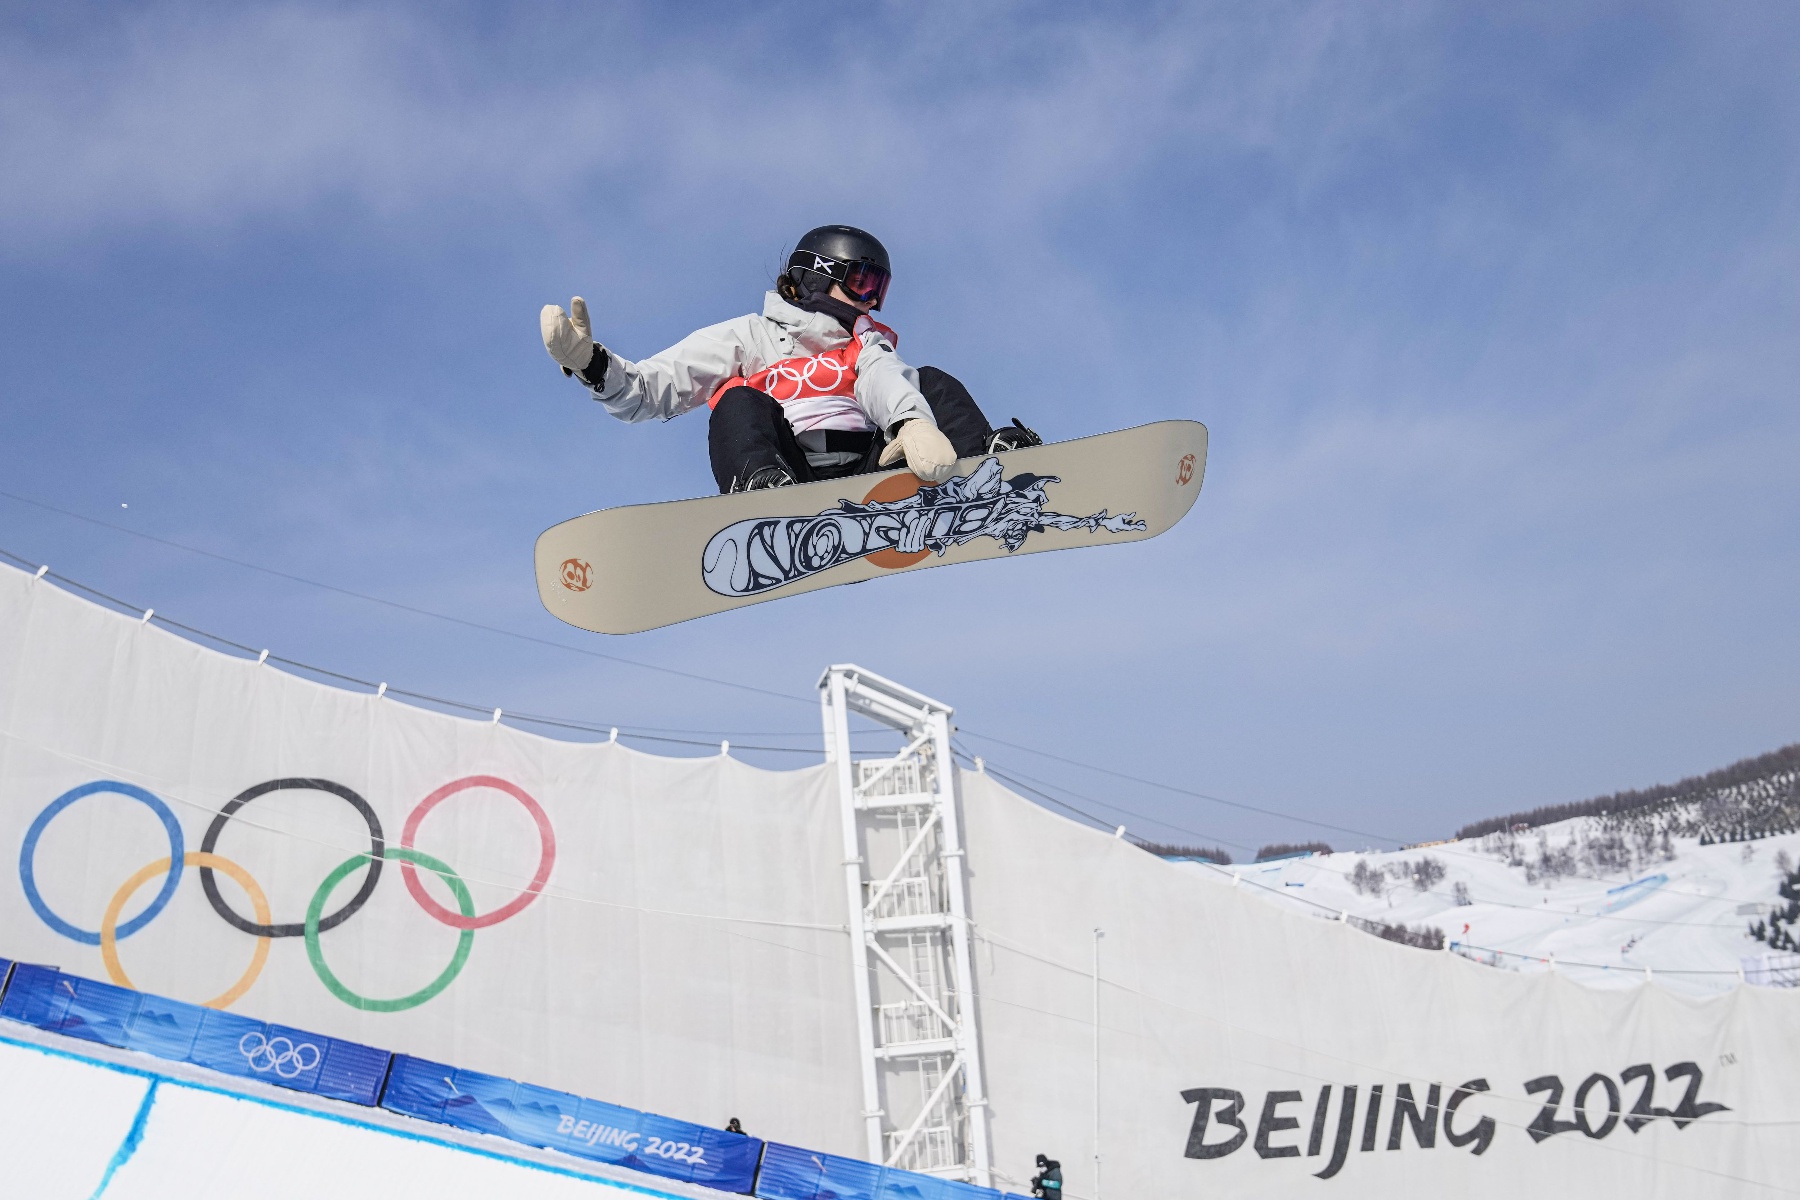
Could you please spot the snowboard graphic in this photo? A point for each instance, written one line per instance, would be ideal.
(624, 570)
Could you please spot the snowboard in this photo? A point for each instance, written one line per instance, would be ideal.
(643, 566)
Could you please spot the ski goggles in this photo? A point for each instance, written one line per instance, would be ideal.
(865, 282)
(862, 281)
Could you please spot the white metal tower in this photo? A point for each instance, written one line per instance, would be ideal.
(924, 1101)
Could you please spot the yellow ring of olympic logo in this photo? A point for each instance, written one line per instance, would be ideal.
(109, 923)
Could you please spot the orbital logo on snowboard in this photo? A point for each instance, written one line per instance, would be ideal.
(892, 528)
(577, 575)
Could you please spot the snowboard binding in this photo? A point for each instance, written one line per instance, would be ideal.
(1013, 437)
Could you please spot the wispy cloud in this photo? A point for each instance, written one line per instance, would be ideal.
(163, 113)
(1491, 313)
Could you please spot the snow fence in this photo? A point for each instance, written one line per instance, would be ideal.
(669, 934)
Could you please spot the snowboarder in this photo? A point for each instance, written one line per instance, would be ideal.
(810, 389)
(1047, 1183)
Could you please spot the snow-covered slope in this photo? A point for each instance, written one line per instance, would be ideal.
(1674, 908)
(80, 1121)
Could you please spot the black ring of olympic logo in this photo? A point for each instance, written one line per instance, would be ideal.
(377, 847)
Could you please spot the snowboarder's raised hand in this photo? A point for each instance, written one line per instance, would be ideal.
(927, 451)
(569, 339)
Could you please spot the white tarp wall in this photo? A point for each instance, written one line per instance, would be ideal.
(1209, 987)
(686, 952)
(686, 955)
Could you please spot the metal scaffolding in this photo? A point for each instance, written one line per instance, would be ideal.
(924, 1100)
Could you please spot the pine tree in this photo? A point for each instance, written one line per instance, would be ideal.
(1778, 933)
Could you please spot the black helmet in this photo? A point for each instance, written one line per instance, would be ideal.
(844, 255)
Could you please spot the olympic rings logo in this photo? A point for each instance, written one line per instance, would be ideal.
(278, 1054)
(317, 921)
(796, 377)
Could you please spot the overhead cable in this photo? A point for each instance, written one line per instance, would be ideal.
(407, 608)
(525, 637)
(1287, 895)
(1019, 780)
(1169, 787)
(1101, 823)
(150, 615)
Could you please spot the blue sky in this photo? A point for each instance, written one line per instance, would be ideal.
(1492, 316)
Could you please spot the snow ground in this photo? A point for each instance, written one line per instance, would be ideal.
(1684, 919)
(85, 1122)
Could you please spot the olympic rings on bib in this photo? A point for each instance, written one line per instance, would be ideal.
(262, 928)
(546, 854)
(109, 942)
(464, 940)
(794, 378)
(282, 1058)
(28, 853)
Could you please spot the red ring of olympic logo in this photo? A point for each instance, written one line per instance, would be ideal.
(546, 852)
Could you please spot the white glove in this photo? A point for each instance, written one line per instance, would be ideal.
(927, 450)
(569, 339)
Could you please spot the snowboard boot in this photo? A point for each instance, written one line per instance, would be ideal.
(766, 477)
(1013, 437)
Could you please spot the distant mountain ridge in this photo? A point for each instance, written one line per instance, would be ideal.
(1752, 798)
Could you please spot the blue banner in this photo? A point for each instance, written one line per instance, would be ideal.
(587, 1129)
(793, 1173)
(220, 1041)
(47, 999)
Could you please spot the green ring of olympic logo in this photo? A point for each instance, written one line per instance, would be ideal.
(465, 940)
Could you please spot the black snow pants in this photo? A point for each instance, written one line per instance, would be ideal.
(748, 432)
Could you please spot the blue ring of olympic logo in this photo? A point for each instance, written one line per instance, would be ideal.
(28, 857)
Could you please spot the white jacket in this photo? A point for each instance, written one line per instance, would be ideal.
(685, 376)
